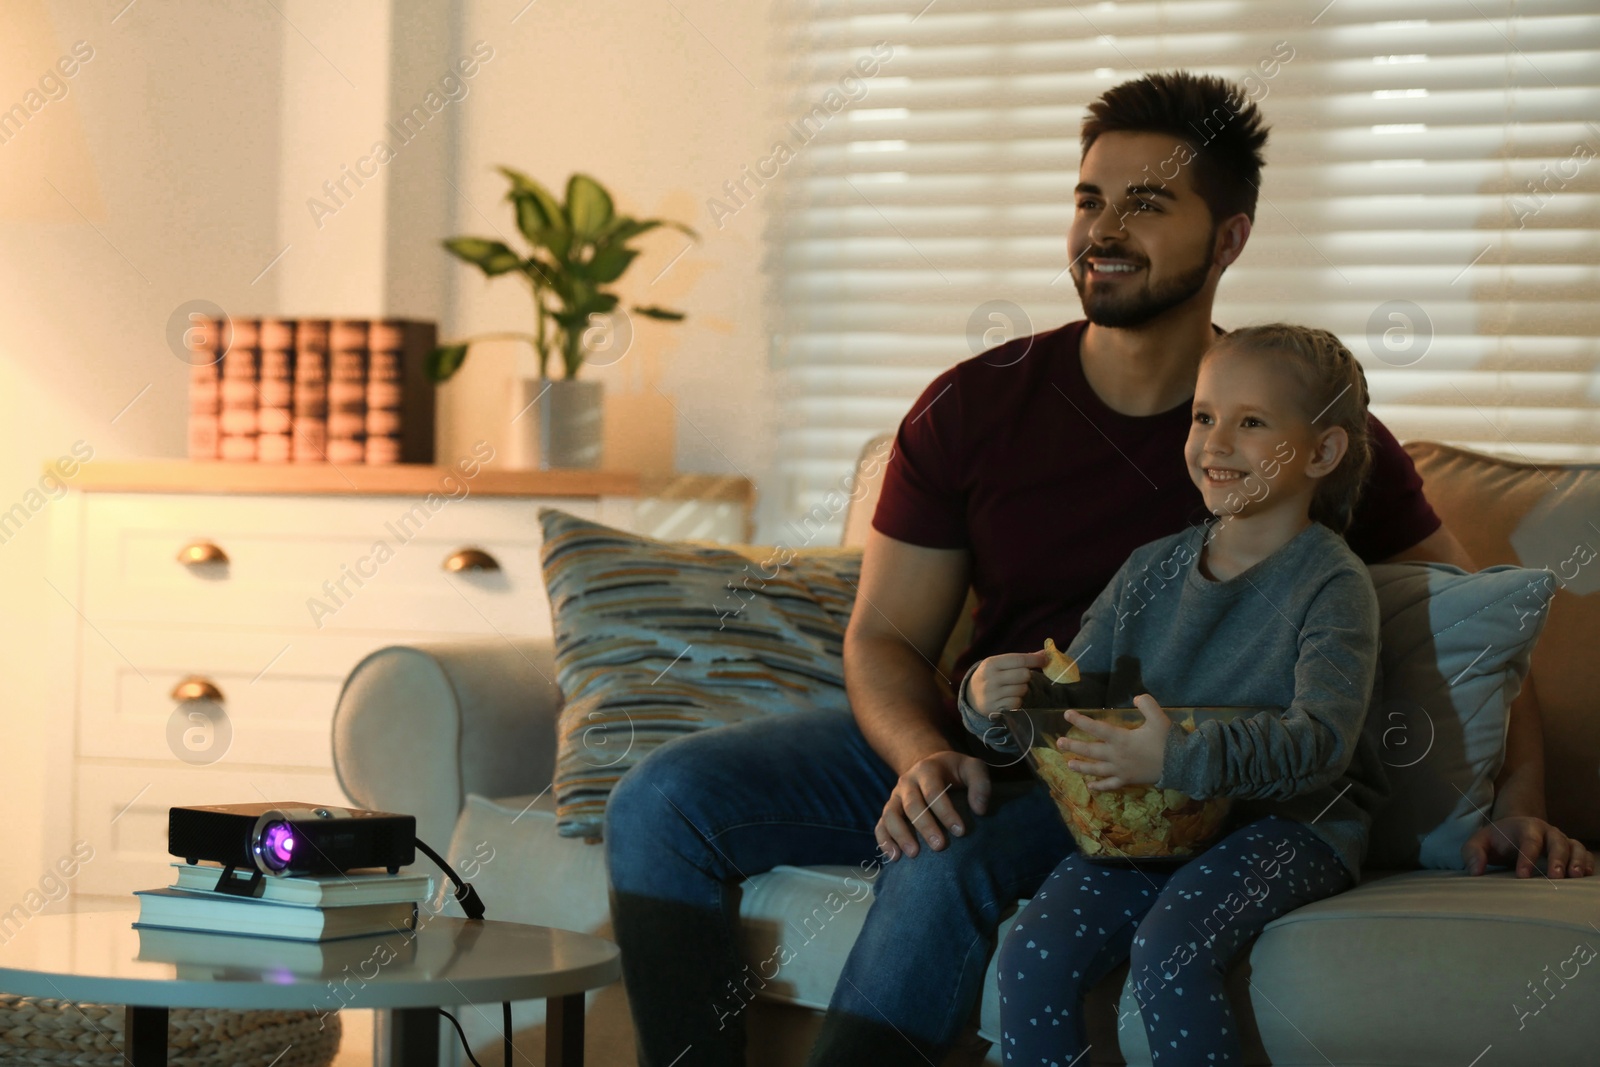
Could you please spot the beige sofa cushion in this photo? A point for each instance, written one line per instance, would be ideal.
(1447, 945)
(1540, 516)
(1370, 977)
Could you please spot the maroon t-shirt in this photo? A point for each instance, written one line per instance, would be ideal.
(1012, 456)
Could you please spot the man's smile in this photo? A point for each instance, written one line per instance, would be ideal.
(1105, 268)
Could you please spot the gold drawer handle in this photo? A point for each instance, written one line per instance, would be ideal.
(196, 688)
(470, 559)
(198, 552)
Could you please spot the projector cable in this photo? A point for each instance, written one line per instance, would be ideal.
(472, 904)
(466, 896)
(463, 1035)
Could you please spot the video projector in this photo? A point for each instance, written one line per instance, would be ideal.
(291, 838)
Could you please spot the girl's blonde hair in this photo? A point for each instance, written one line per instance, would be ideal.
(1334, 393)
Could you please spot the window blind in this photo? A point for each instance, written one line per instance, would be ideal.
(1431, 195)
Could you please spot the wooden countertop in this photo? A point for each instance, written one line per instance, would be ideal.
(409, 479)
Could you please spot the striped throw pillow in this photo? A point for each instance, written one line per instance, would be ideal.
(657, 639)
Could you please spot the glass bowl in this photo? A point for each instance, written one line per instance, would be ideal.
(1137, 824)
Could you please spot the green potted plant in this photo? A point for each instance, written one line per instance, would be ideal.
(577, 248)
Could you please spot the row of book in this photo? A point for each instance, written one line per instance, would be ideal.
(341, 391)
(294, 908)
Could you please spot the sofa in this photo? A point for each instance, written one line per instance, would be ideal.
(1410, 967)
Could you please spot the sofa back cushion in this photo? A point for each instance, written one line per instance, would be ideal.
(1454, 649)
(1542, 516)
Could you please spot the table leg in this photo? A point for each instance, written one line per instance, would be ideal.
(414, 1037)
(144, 1032)
(563, 1031)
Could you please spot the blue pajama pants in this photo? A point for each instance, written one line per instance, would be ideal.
(1179, 927)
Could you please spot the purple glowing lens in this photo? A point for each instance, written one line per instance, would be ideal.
(277, 845)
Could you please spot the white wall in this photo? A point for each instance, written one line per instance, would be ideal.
(190, 144)
(176, 183)
(657, 107)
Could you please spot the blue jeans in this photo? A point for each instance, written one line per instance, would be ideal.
(705, 811)
(1180, 929)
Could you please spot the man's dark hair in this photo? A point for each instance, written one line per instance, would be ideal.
(1222, 127)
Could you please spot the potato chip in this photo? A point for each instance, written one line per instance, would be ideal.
(1061, 668)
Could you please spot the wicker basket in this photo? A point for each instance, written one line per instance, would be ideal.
(90, 1035)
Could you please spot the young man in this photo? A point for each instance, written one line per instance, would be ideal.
(1030, 472)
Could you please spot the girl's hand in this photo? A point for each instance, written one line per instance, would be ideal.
(1000, 682)
(1121, 756)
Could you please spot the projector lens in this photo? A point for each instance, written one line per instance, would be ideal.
(275, 845)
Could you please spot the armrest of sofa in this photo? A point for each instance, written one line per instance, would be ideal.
(419, 727)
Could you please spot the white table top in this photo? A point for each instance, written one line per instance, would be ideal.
(99, 957)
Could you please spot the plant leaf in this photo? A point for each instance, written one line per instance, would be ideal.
(559, 244)
(624, 229)
(600, 304)
(589, 206)
(661, 313)
(607, 264)
(532, 219)
(492, 257)
(445, 361)
(571, 318)
(549, 206)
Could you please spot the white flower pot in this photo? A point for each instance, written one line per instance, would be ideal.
(555, 422)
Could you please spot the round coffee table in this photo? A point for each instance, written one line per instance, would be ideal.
(99, 957)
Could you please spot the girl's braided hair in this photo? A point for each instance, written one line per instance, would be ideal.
(1334, 393)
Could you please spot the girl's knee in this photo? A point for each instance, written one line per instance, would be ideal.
(1153, 963)
(1158, 958)
(1041, 962)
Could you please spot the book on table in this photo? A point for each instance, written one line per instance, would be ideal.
(212, 899)
(199, 955)
(322, 890)
(225, 913)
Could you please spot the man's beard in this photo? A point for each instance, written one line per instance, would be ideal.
(1138, 308)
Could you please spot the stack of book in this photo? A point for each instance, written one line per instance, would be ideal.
(311, 390)
(293, 907)
(275, 391)
(239, 390)
(310, 420)
(205, 388)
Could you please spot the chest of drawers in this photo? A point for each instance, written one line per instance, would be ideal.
(209, 615)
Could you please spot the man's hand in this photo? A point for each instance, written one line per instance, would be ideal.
(1121, 756)
(921, 802)
(1522, 839)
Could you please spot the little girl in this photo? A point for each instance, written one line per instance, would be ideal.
(1263, 605)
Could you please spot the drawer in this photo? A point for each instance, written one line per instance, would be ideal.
(317, 563)
(121, 811)
(278, 694)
